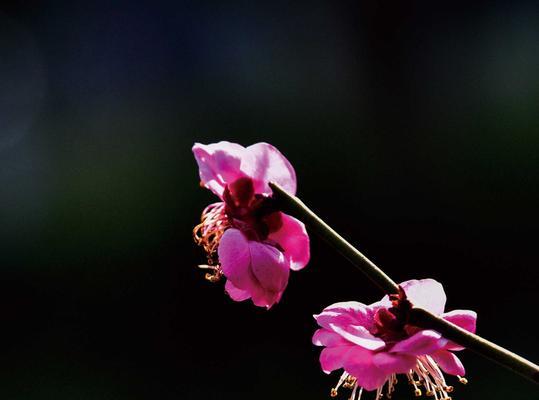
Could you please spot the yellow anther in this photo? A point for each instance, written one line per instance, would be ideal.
(212, 277)
(417, 392)
(429, 393)
(448, 389)
(463, 380)
(333, 392)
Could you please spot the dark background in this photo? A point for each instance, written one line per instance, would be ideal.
(413, 128)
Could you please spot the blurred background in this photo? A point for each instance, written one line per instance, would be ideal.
(414, 131)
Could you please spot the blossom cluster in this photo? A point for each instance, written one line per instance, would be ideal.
(253, 245)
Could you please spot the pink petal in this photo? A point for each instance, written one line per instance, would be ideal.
(359, 335)
(350, 320)
(346, 313)
(394, 363)
(235, 293)
(269, 266)
(331, 358)
(324, 337)
(265, 298)
(449, 362)
(253, 269)
(383, 303)
(424, 293)
(358, 362)
(293, 238)
(423, 342)
(235, 259)
(264, 163)
(219, 164)
(466, 319)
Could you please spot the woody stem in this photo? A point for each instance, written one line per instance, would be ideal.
(418, 316)
(476, 343)
(296, 207)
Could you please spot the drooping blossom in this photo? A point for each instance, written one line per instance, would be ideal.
(373, 343)
(246, 238)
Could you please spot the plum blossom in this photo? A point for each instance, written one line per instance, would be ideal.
(246, 238)
(373, 343)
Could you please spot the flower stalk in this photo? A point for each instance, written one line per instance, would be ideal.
(418, 316)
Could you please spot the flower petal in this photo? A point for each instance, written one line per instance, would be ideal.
(324, 337)
(331, 358)
(235, 293)
(425, 293)
(352, 321)
(466, 319)
(359, 335)
(264, 163)
(235, 259)
(423, 342)
(265, 298)
(293, 238)
(394, 363)
(219, 164)
(449, 362)
(346, 313)
(269, 266)
(358, 363)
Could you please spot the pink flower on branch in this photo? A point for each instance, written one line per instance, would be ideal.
(373, 343)
(246, 238)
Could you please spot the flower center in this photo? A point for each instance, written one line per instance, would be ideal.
(390, 324)
(253, 214)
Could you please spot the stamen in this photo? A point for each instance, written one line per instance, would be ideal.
(213, 224)
(432, 378)
(334, 391)
(215, 272)
(426, 374)
(349, 382)
(353, 395)
(412, 381)
(391, 386)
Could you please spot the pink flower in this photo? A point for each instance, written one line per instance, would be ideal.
(374, 343)
(246, 238)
